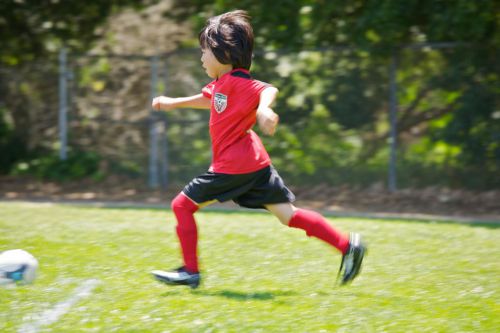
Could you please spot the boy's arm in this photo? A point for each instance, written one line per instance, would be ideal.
(168, 103)
(266, 117)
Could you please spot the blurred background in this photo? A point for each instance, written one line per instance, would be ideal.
(384, 105)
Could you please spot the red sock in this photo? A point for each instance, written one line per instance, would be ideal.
(187, 232)
(315, 225)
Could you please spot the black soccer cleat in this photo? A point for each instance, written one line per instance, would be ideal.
(352, 259)
(179, 276)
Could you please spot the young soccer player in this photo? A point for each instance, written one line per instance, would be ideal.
(241, 169)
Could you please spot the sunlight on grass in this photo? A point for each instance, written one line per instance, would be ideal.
(258, 276)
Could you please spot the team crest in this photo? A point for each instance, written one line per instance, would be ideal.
(220, 102)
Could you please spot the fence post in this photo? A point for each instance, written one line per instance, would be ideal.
(63, 105)
(153, 131)
(163, 139)
(393, 107)
(163, 154)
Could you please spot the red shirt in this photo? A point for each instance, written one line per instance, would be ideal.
(236, 149)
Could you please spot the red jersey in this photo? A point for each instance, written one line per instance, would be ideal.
(236, 149)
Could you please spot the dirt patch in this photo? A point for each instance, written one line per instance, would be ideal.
(431, 201)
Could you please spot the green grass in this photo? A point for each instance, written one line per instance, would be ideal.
(259, 276)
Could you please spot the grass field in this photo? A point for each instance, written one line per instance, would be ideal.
(259, 276)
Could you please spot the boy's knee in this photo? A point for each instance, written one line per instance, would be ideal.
(183, 203)
(283, 218)
(283, 212)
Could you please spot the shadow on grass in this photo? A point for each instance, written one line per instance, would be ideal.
(243, 296)
(172, 292)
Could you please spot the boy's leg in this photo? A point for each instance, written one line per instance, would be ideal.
(314, 224)
(200, 192)
(187, 231)
(184, 209)
(311, 222)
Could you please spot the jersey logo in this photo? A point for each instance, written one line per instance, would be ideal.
(220, 102)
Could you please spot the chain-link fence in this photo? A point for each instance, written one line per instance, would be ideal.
(29, 99)
(108, 111)
(346, 116)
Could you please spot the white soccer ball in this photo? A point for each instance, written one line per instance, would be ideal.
(17, 266)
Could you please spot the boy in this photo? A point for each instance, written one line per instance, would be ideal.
(241, 169)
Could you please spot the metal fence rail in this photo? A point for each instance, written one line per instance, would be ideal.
(104, 106)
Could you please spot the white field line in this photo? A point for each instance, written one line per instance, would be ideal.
(52, 315)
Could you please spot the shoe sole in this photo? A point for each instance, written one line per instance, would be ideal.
(356, 269)
(162, 279)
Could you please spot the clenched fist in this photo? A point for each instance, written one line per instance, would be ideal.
(267, 120)
(163, 103)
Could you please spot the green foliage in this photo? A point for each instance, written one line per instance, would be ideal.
(78, 165)
(257, 274)
(10, 145)
(477, 133)
(333, 100)
(367, 24)
(448, 98)
(32, 29)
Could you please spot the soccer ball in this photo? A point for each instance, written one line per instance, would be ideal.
(17, 266)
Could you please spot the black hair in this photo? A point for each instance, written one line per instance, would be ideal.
(230, 38)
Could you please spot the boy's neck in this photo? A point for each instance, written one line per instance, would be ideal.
(224, 71)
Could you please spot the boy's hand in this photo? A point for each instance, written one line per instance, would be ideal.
(267, 120)
(163, 103)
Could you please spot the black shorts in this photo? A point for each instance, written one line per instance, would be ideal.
(251, 190)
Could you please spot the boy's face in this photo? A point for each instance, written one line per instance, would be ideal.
(212, 66)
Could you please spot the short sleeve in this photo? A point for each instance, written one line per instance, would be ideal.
(260, 86)
(208, 89)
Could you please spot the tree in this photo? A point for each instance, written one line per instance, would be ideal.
(32, 31)
(448, 98)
